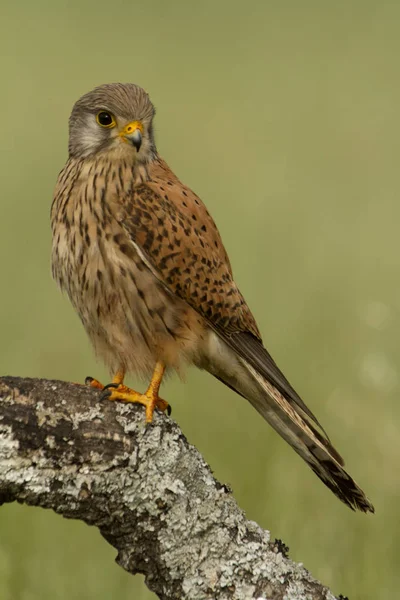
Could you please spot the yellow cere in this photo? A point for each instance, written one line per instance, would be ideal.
(131, 128)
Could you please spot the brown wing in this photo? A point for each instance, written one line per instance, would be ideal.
(179, 240)
(171, 225)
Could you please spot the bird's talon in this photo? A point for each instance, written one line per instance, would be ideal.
(105, 395)
(93, 383)
(169, 410)
(111, 385)
(117, 391)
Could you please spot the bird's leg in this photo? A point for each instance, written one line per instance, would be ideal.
(152, 393)
(150, 399)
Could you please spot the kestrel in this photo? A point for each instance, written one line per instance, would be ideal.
(144, 266)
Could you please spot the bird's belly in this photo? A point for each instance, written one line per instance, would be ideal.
(131, 319)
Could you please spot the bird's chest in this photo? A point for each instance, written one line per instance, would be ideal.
(82, 248)
(87, 259)
(96, 263)
(121, 302)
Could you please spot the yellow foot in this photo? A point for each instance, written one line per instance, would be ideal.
(149, 399)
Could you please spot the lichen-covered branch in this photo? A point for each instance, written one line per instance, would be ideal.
(146, 488)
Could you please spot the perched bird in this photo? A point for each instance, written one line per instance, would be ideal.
(144, 266)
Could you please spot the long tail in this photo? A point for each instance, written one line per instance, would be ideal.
(290, 419)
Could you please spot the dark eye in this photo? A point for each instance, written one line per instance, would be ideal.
(105, 119)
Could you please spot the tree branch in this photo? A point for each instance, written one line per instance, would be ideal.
(147, 489)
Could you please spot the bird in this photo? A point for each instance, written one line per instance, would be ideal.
(144, 266)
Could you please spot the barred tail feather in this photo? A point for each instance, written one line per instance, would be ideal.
(314, 448)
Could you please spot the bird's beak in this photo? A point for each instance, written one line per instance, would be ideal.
(132, 132)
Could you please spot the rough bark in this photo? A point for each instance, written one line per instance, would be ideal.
(147, 489)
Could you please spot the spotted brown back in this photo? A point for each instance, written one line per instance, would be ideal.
(172, 227)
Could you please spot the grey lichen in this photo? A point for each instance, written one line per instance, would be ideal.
(146, 488)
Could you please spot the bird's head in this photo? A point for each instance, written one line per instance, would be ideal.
(115, 118)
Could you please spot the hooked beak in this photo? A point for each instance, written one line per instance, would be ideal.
(132, 132)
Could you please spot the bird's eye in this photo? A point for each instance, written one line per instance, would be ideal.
(105, 119)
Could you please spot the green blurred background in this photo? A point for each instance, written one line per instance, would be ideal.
(284, 117)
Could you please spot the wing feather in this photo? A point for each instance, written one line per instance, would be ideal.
(178, 240)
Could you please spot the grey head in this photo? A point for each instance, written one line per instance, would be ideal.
(115, 117)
